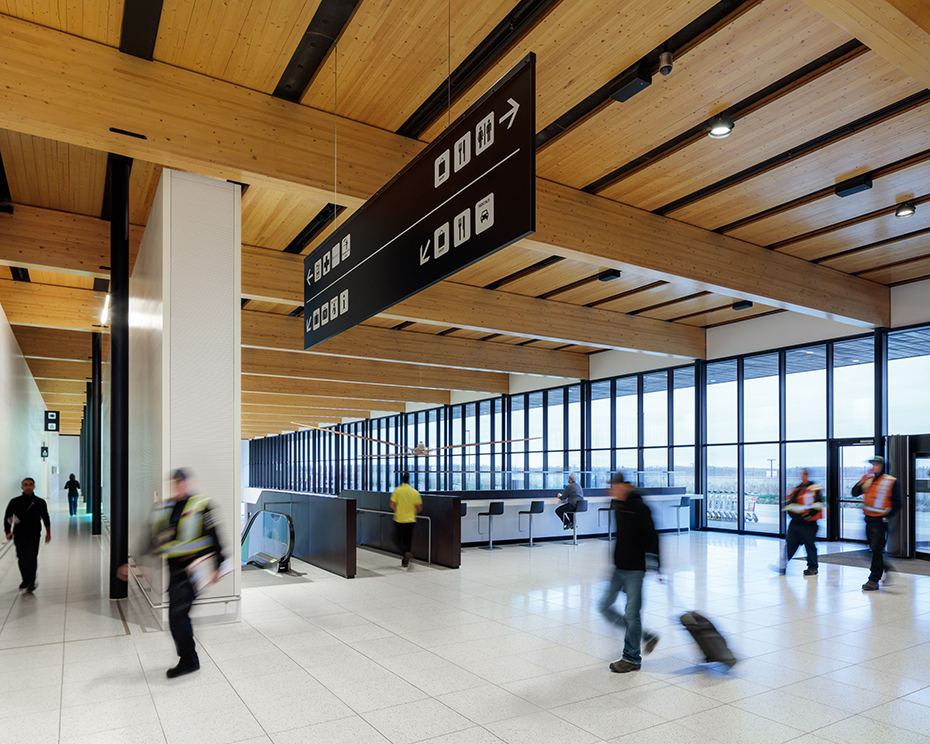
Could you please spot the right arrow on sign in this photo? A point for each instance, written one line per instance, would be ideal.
(424, 253)
(512, 113)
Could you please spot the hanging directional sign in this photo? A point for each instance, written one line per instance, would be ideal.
(468, 194)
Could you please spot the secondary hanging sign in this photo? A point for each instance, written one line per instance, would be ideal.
(470, 193)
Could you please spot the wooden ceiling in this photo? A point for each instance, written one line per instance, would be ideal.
(819, 92)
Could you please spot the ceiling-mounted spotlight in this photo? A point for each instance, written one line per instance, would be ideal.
(666, 61)
(608, 274)
(905, 210)
(720, 127)
(742, 305)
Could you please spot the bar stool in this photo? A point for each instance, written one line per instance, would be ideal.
(609, 525)
(536, 507)
(495, 508)
(581, 506)
(685, 504)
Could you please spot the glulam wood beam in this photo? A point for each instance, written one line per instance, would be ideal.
(59, 369)
(897, 30)
(492, 311)
(317, 402)
(293, 386)
(58, 343)
(26, 303)
(365, 342)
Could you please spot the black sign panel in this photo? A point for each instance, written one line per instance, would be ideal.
(51, 420)
(468, 194)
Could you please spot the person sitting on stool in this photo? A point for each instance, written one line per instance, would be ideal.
(571, 495)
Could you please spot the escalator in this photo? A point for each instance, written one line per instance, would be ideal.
(268, 541)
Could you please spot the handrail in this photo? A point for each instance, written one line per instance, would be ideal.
(429, 529)
(290, 523)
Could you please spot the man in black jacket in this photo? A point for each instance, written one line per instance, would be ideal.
(25, 515)
(636, 549)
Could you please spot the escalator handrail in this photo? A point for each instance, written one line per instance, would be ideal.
(290, 524)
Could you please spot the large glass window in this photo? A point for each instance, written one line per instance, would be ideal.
(761, 491)
(908, 374)
(627, 403)
(810, 456)
(600, 414)
(683, 405)
(655, 409)
(806, 392)
(721, 402)
(722, 487)
(760, 398)
(854, 388)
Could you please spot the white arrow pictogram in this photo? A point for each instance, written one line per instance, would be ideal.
(512, 114)
(424, 253)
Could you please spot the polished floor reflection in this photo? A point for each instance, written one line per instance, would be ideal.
(508, 648)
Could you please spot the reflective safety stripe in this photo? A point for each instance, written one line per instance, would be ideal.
(876, 502)
(189, 539)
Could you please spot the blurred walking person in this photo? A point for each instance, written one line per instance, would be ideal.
(74, 491)
(635, 550)
(406, 503)
(184, 531)
(22, 523)
(571, 496)
(881, 499)
(805, 505)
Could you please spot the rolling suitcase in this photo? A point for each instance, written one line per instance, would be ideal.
(708, 638)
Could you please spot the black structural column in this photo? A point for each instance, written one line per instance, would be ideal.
(119, 372)
(880, 365)
(96, 404)
(90, 424)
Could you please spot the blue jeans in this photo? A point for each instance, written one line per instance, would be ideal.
(631, 584)
(72, 505)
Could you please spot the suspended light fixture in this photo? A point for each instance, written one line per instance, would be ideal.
(720, 127)
(106, 311)
(905, 210)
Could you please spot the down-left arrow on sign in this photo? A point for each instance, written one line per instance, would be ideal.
(424, 253)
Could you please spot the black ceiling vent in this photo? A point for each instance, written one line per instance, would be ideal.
(854, 185)
(631, 82)
(326, 215)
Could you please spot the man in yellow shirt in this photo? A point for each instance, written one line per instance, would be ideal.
(406, 503)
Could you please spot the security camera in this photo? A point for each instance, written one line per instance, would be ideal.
(666, 60)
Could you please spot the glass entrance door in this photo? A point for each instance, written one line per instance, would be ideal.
(922, 503)
(852, 462)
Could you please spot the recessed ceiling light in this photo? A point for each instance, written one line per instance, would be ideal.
(742, 305)
(608, 274)
(808, 352)
(720, 127)
(905, 210)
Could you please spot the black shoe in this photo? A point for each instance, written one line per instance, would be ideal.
(810, 572)
(32, 587)
(622, 666)
(183, 667)
(24, 585)
(870, 586)
(650, 645)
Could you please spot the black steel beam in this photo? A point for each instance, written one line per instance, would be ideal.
(324, 30)
(325, 216)
(94, 491)
(140, 27)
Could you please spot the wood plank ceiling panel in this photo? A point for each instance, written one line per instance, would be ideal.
(598, 290)
(272, 219)
(246, 42)
(687, 307)
(58, 279)
(646, 298)
(97, 20)
(725, 314)
(143, 183)
(864, 233)
(900, 273)
(270, 307)
(379, 322)
(499, 265)
(54, 175)
(884, 143)
(831, 209)
(848, 92)
(874, 258)
(760, 47)
(552, 277)
(580, 46)
(392, 56)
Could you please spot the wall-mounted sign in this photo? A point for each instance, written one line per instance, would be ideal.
(44, 452)
(51, 421)
(470, 193)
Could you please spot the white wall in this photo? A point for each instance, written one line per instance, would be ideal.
(616, 363)
(22, 423)
(185, 368)
(529, 383)
(910, 304)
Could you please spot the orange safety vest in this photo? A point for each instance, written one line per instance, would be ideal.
(810, 498)
(876, 502)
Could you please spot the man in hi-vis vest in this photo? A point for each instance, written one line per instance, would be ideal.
(184, 531)
(805, 506)
(881, 498)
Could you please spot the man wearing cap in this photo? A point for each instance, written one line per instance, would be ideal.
(635, 550)
(881, 499)
(184, 531)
